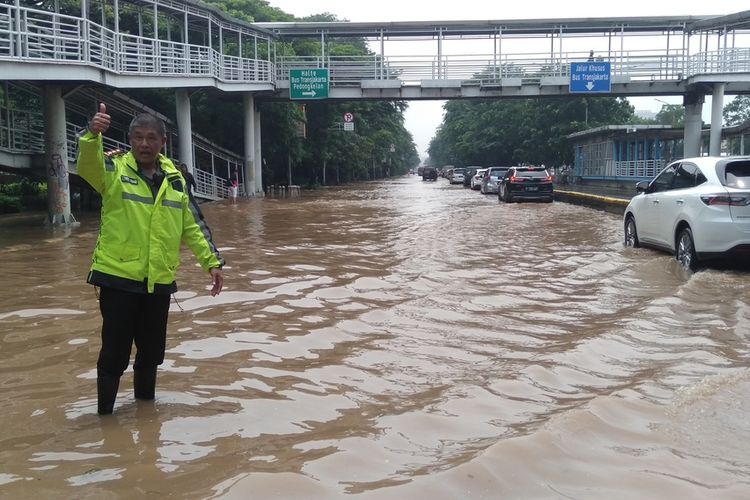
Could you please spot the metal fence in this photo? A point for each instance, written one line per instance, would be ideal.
(638, 168)
(488, 70)
(33, 35)
(37, 35)
(22, 132)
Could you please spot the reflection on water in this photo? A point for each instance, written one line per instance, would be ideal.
(396, 339)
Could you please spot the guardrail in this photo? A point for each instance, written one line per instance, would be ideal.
(22, 132)
(736, 60)
(488, 70)
(36, 35)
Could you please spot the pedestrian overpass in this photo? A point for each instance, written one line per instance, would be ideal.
(186, 45)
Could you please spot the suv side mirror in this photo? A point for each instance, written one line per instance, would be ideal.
(641, 187)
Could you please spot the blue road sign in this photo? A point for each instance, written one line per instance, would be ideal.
(590, 77)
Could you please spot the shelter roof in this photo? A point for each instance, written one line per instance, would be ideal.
(664, 130)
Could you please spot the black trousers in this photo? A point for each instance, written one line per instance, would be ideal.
(129, 317)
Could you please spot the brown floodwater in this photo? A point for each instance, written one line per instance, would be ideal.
(394, 339)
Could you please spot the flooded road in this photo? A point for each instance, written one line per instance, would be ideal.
(395, 339)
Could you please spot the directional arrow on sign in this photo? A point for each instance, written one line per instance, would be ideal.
(590, 77)
(308, 83)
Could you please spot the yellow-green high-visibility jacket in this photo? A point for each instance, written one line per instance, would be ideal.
(138, 248)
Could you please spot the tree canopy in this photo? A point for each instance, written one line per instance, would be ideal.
(737, 111)
(511, 131)
(365, 153)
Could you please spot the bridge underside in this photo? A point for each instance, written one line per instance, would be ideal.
(44, 71)
(553, 86)
(376, 89)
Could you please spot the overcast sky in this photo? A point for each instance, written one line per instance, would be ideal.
(423, 117)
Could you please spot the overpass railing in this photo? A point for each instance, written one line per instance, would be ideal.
(208, 183)
(637, 65)
(22, 132)
(735, 60)
(37, 35)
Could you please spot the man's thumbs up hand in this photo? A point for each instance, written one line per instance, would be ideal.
(101, 120)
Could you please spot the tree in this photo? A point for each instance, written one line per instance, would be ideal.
(672, 115)
(380, 143)
(510, 131)
(737, 111)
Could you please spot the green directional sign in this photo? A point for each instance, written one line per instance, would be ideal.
(308, 83)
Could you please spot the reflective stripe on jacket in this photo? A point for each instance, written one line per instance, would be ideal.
(140, 235)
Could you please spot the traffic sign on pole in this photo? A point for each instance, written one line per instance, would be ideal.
(308, 83)
(348, 117)
(590, 77)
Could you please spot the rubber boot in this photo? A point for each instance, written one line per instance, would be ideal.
(144, 382)
(106, 389)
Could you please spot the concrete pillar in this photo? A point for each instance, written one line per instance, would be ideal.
(56, 157)
(184, 128)
(258, 158)
(693, 103)
(717, 119)
(248, 102)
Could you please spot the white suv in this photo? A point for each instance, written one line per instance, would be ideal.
(696, 208)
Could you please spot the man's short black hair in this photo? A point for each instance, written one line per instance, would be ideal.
(146, 120)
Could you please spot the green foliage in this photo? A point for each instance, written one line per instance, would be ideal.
(737, 111)
(251, 10)
(638, 120)
(24, 188)
(23, 195)
(507, 132)
(10, 204)
(362, 154)
(672, 115)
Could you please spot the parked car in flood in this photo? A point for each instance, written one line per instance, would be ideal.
(457, 176)
(491, 178)
(476, 179)
(469, 175)
(429, 174)
(696, 208)
(526, 183)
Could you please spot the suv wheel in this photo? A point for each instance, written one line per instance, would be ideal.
(631, 233)
(685, 250)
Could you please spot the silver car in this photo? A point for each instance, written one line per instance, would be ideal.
(491, 179)
(457, 176)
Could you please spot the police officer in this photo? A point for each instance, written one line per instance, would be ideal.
(146, 215)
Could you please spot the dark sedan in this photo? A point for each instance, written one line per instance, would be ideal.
(525, 183)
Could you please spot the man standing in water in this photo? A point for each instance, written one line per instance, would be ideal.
(146, 214)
